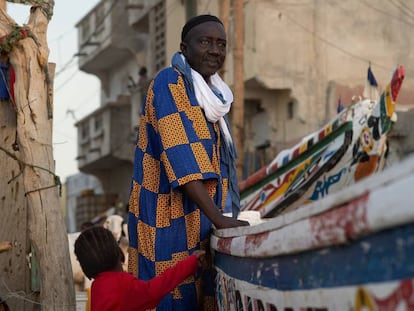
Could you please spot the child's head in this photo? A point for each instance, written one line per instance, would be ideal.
(97, 251)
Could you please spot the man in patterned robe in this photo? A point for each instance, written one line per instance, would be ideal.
(184, 171)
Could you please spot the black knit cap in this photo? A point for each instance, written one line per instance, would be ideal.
(197, 20)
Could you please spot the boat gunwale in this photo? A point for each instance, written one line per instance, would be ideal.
(373, 183)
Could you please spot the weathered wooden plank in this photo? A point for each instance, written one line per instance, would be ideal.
(28, 53)
(14, 272)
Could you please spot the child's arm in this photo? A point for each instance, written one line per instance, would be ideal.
(151, 292)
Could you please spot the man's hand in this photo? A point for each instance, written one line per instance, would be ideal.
(199, 195)
(228, 222)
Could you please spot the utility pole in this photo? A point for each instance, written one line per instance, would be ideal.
(30, 148)
(238, 78)
(190, 9)
(224, 9)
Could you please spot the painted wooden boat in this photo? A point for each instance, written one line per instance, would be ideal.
(345, 150)
(349, 248)
(352, 250)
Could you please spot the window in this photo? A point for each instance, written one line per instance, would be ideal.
(85, 131)
(291, 109)
(159, 35)
(85, 30)
(100, 18)
(98, 123)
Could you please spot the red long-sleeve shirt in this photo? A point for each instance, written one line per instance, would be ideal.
(121, 291)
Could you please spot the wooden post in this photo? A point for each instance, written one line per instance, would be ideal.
(190, 9)
(238, 105)
(33, 152)
(224, 11)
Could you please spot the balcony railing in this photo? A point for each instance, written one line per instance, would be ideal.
(105, 37)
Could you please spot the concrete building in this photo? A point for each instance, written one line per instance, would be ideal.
(77, 187)
(300, 58)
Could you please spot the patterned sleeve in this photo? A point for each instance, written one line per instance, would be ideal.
(188, 150)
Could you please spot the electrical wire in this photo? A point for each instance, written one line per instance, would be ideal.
(65, 66)
(58, 88)
(406, 7)
(397, 18)
(101, 22)
(327, 42)
(403, 8)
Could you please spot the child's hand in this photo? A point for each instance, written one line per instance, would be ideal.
(200, 256)
(199, 253)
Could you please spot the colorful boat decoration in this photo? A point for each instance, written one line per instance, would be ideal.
(350, 247)
(352, 250)
(347, 149)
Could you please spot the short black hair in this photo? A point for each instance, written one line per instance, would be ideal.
(197, 20)
(97, 251)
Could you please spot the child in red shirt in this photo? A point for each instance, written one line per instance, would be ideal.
(113, 289)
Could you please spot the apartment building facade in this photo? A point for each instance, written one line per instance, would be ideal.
(300, 58)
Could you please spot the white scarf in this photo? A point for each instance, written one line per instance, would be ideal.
(213, 107)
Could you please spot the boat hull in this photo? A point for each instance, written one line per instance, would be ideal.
(361, 274)
(350, 250)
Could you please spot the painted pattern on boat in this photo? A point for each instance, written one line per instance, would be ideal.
(347, 149)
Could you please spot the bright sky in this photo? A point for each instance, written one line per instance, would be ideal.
(73, 90)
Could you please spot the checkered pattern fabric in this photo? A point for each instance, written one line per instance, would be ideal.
(176, 145)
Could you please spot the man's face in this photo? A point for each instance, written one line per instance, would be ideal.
(204, 47)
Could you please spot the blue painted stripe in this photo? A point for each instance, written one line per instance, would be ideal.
(384, 256)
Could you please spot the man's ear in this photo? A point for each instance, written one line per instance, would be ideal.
(183, 47)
